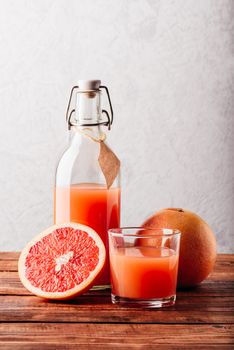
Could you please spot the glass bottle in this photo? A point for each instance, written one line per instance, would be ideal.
(81, 193)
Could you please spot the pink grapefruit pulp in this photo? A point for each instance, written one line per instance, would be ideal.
(61, 262)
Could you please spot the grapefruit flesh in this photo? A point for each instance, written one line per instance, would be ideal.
(62, 262)
(197, 245)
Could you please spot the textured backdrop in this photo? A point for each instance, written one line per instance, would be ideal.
(170, 69)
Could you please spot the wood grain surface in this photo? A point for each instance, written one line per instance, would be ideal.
(202, 318)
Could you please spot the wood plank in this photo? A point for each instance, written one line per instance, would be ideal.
(9, 262)
(224, 258)
(209, 288)
(221, 276)
(9, 265)
(10, 284)
(111, 336)
(9, 255)
(100, 310)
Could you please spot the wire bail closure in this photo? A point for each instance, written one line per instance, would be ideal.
(70, 111)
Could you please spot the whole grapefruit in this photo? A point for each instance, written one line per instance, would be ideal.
(61, 262)
(197, 246)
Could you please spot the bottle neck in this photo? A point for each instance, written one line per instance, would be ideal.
(88, 108)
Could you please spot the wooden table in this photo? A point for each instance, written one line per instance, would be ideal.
(202, 318)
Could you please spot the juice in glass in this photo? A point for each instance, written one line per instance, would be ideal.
(144, 272)
(93, 205)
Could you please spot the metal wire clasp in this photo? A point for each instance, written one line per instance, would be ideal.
(70, 111)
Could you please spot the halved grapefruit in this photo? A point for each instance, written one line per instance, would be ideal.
(61, 262)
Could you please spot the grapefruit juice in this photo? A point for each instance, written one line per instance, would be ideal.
(93, 205)
(144, 272)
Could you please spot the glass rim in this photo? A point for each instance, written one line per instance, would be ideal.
(117, 232)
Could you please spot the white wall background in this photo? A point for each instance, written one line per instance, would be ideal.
(170, 69)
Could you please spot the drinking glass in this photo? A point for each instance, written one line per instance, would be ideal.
(144, 266)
